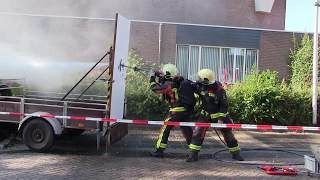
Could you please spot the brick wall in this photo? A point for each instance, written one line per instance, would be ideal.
(168, 44)
(144, 39)
(214, 12)
(145, 36)
(274, 52)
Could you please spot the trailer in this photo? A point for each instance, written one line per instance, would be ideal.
(38, 133)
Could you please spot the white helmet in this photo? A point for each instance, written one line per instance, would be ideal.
(169, 70)
(206, 76)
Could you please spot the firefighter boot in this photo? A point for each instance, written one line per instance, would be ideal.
(236, 156)
(193, 156)
(158, 153)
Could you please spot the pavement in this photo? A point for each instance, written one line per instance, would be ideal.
(76, 157)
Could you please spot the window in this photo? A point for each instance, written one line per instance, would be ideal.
(182, 60)
(210, 59)
(229, 64)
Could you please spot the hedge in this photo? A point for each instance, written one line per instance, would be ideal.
(261, 99)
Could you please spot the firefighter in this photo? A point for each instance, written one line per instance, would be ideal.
(180, 96)
(214, 109)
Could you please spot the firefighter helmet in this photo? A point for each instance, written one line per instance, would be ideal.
(169, 70)
(206, 76)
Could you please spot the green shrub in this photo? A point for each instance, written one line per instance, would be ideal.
(261, 99)
(13, 88)
(16, 91)
(301, 57)
(141, 101)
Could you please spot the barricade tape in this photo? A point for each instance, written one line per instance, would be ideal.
(171, 123)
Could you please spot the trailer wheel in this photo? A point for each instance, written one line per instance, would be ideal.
(38, 135)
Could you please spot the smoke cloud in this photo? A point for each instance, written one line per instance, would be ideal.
(50, 52)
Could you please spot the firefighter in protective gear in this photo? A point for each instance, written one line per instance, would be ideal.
(179, 94)
(213, 109)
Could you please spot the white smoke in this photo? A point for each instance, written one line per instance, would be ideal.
(42, 74)
(50, 52)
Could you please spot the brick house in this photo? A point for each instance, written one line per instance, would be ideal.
(227, 36)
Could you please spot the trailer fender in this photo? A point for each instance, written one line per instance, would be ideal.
(55, 124)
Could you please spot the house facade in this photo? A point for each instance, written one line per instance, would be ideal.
(229, 37)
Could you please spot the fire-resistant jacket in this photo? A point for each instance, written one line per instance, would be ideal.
(178, 92)
(213, 100)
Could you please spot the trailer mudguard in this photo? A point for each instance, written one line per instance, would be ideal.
(56, 125)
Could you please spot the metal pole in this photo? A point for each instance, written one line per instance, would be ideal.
(315, 66)
(64, 97)
(92, 83)
(160, 41)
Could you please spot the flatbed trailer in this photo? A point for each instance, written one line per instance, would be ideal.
(38, 133)
(37, 136)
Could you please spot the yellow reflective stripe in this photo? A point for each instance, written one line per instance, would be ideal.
(198, 103)
(215, 115)
(177, 109)
(158, 145)
(163, 146)
(203, 112)
(218, 115)
(234, 149)
(194, 147)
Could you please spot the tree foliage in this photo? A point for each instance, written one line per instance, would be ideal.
(301, 57)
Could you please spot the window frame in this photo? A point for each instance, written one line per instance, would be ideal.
(220, 58)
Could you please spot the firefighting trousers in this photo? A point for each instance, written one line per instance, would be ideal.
(200, 132)
(165, 130)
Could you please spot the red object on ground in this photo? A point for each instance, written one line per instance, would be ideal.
(280, 170)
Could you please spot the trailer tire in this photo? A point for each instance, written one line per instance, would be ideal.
(38, 135)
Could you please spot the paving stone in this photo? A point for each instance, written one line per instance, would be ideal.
(76, 157)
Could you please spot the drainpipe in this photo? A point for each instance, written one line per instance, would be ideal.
(160, 40)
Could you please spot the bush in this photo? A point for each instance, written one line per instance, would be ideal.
(301, 63)
(261, 99)
(141, 101)
(16, 91)
(12, 88)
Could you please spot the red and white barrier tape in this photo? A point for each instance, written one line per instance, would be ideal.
(172, 123)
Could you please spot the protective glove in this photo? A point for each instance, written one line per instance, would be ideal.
(158, 73)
